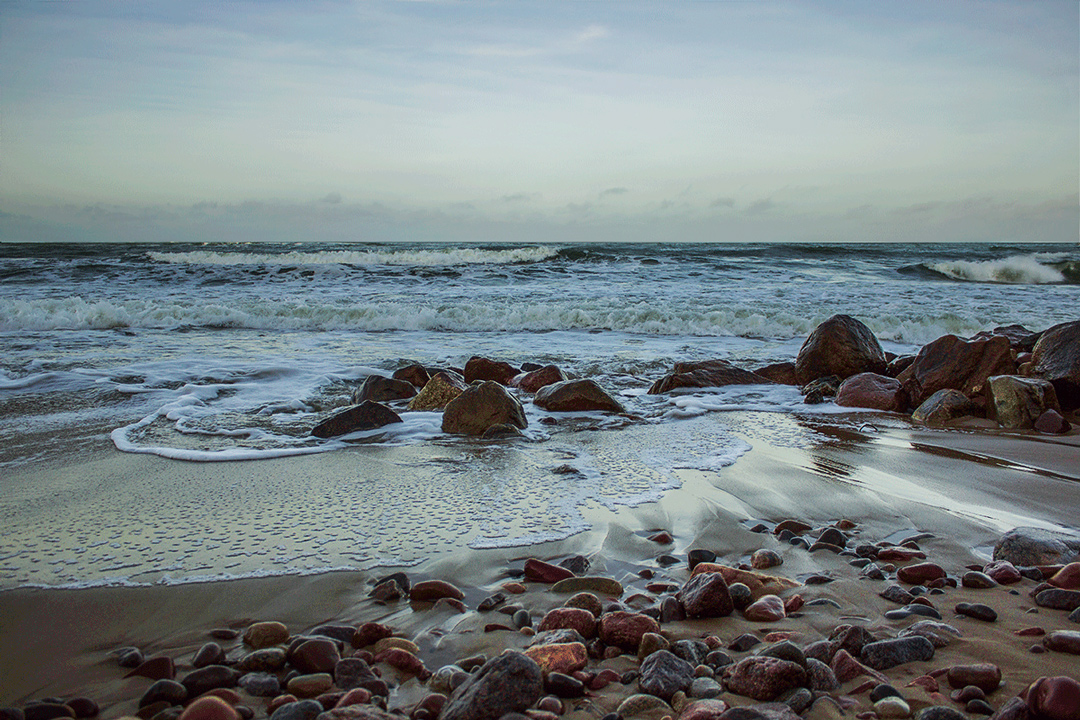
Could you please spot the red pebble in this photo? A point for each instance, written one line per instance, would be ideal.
(159, 668)
(356, 696)
(1067, 577)
(209, 708)
(793, 604)
(1054, 698)
(1030, 632)
(404, 661)
(926, 682)
(864, 687)
(278, 702)
(604, 678)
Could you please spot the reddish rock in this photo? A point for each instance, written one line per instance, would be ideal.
(562, 658)
(840, 346)
(1054, 698)
(984, 676)
(1067, 578)
(1056, 357)
(404, 661)
(708, 709)
(1017, 402)
(540, 571)
(569, 618)
(209, 708)
(845, 667)
(791, 604)
(764, 678)
(576, 396)
(944, 406)
(532, 381)
(900, 554)
(315, 656)
(1003, 572)
(370, 633)
(869, 390)
(356, 696)
(415, 375)
(480, 407)
(765, 558)
(479, 368)
(769, 608)
(432, 590)
(1052, 423)
(920, 573)
(624, 629)
(953, 363)
(367, 416)
(383, 389)
(439, 390)
(158, 668)
(709, 373)
(1066, 641)
(796, 526)
(780, 373)
(706, 595)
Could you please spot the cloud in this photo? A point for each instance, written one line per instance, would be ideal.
(723, 202)
(759, 206)
(593, 32)
(615, 191)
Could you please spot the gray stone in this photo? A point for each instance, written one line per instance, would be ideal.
(260, 684)
(1017, 402)
(510, 682)
(210, 677)
(368, 416)
(383, 389)
(302, 710)
(170, 691)
(940, 712)
(977, 611)
(1024, 546)
(706, 595)
(1058, 599)
(886, 654)
(705, 688)
(663, 675)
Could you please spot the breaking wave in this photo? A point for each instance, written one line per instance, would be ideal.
(1037, 269)
(414, 258)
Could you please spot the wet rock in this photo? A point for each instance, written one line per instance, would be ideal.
(315, 656)
(707, 708)
(415, 375)
(846, 667)
(1067, 578)
(921, 573)
(937, 633)
(301, 710)
(764, 711)
(433, 590)
(985, 676)
(913, 609)
(269, 659)
(940, 712)
(1066, 641)
(367, 416)
(83, 707)
(209, 654)
(352, 673)
(885, 654)
(210, 708)
(44, 710)
(1052, 423)
(579, 619)
(840, 346)
(540, 571)
(744, 642)
(1058, 599)
(705, 687)
(170, 691)
(1003, 572)
(155, 668)
(624, 629)
(644, 707)
(663, 674)
(599, 585)
(266, 634)
(768, 608)
(128, 657)
(764, 678)
(892, 707)
(480, 407)
(953, 363)
(379, 389)
(944, 406)
(508, 683)
(977, 611)
(1054, 698)
(1056, 357)
(821, 677)
(692, 651)
(764, 558)
(782, 373)
(260, 684)
(741, 596)
(483, 369)
(576, 396)
(706, 595)
(650, 643)
(709, 373)
(208, 678)
(563, 658)
(977, 580)
(585, 601)
(533, 380)
(870, 390)
(897, 594)
(439, 390)
(309, 686)
(1035, 546)
(1017, 402)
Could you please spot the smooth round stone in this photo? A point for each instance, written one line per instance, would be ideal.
(599, 585)
(920, 573)
(47, 711)
(883, 691)
(940, 712)
(985, 676)
(260, 684)
(563, 686)
(83, 707)
(696, 556)
(266, 634)
(650, 643)
(892, 707)
(832, 536)
(977, 611)
(1055, 698)
(768, 608)
(765, 558)
(705, 687)
(1066, 641)
(266, 660)
(302, 710)
(550, 704)
(396, 642)
(522, 618)
(744, 642)
(210, 708)
(310, 685)
(978, 580)
(741, 596)
(979, 707)
(585, 601)
(646, 707)
(170, 691)
(129, 657)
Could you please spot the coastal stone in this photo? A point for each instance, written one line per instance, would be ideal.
(563, 658)
(764, 678)
(168, 690)
(1066, 641)
(885, 654)
(585, 601)
(768, 608)
(83, 707)
(914, 608)
(784, 650)
(643, 706)
(708, 373)
(522, 618)
(624, 629)
(977, 580)
(1054, 698)
(920, 574)
(1058, 599)
(563, 686)
(985, 676)
(782, 373)
(832, 536)
(694, 652)
(269, 659)
(816, 391)
(367, 416)
(260, 684)
(210, 708)
(706, 595)
(396, 642)
(940, 634)
(940, 712)
(532, 381)
(764, 558)
(699, 555)
(599, 585)
(892, 707)
(379, 389)
(432, 590)
(741, 596)
(1052, 423)
(367, 712)
(762, 711)
(852, 638)
(45, 710)
(300, 710)
(797, 527)
(1056, 357)
(897, 594)
(200, 681)
(820, 676)
(707, 708)
(705, 687)
(1003, 572)
(650, 643)
(315, 656)
(845, 667)
(414, 374)
(156, 668)
(977, 611)
(953, 363)
(404, 661)
(1017, 402)
(483, 369)
(540, 571)
(209, 654)
(576, 396)
(1067, 578)
(508, 683)
(480, 407)
(128, 657)
(840, 346)
(663, 674)
(354, 672)
(1025, 546)
(744, 642)
(870, 390)
(439, 390)
(944, 406)
(897, 554)
(308, 686)
(266, 634)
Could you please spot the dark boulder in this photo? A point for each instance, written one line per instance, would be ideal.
(366, 416)
(709, 373)
(383, 389)
(1056, 357)
(576, 396)
(443, 387)
(953, 363)
(480, 407)
(841, 346)
(869, 390)
(479, 368)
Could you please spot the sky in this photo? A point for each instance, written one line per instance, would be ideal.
(540, 121)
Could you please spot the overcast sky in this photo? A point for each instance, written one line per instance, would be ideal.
(539, 120)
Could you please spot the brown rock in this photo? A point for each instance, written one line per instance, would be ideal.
(432, 590)
(624, 629)
(479, 368)
(1003, 572)
(562, 658)
(709, 373)
(796, 526)
(1054, 698)
(1056, 357)
(868, 390)
(845, 667)
(266, 634)
(900, 554)
(540, 571)
(585, 601)
(1052, 423)
(708, 709)
(383, 389)
(1067, 578)
(765, 558)
(953, 363)
(532, 381)
(569, 618)
(315, 656)
(984, 676)
(367, 416)
(764, 678)
(415, 375)
(576, 396)
(1066, 641)
(768, 608)
(780, 373)
(269, 659)
(439, 390)
(371, 632)
(1017, 402)
(356, 696)
(481, 407)
(157, 668)
(403, 660)
(1025, 546)
(706, 595)
(920, 574)
(505, 684)
(759, 583)
(945, 405)
(209, 708)
(308, 686)
(209, 654)
(840, 346)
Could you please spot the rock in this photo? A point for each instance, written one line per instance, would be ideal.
(576, 396)
(414, 374)
(315, 656)
(821, 677)
(47, 711)
(260, 684)
(363, 712)
(897, 594)
(155, 668)
(781, 373)
(128, 657)
(585, 601)
(508, 683)
(764, 678)
(209, 708)
(706, 708)
(1024, 546)
(83, 707)
(209, 678)
(624, 629)
(266, 634)
(840, 346)
(869, 390)
(816, 391)
(892, 707)
(439, 390)
(1017, 402)
(354, 672)
(571, 618)
(694, 652)
(209, 654)
(533, 381)
(479, 368)
(540, 571)
(432, 590)
(1051, 423)
(663, 674)
(705, 687)
(368, 416)
(978, 580)
(944, 406)
(709, 373)
(937, 633)
(1058, 599)
(308, 686)
(977, 611)
(1056, 357)
(1054, 698)
(599, 585)
(563, 686)
(1067, 578)
(480, 407)
(381, 389)
(846, 667)
(940, 712)
(563, 658)
(302, 710)
(1066, 641)
(920, 574)
(764, 558)
(269, 659)
(764, 711)
(885, 654)
(644, 707)
(404, 661)
(1003, 572)
(698, 556)
(953, 363)
(706, 595)
(768, 608)
(984, 676)
(168, 690)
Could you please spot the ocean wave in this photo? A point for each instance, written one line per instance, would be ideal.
(413, 258)
(1038, 269)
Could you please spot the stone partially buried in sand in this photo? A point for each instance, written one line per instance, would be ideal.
(480, 407)
(368, 415)
(873, 391)
(576, 396)
(840, 346)
(708, 373)
(943, 406)
(1018, 402)
(764, 678)
(1026, 546)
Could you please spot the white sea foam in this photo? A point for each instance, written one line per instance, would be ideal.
(1018, 269)
(412, 258)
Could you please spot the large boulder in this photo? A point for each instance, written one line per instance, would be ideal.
(1020, 338)
(945, 405)
(480, 407)
(509, 683)
(532, 381)
(1025, 546)
(709, 373)
(365, 416)
(383, 389)
(576, 396)
(869, 390)
(954, 363)
(415, 374)
(1056, 358)
(440, 389)
(480, 368)
(1018, 402)
(782, 373)
(841, 346)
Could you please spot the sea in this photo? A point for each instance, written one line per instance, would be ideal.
(217, 359)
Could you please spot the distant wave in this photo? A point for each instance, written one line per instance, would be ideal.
(1037, 269)
(413, 258)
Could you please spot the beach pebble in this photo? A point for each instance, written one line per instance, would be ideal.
(599, 585)
(892, 707)
(832, 536)
(938, 633)
(821, 677)
(572, 618)
(912, 609)
(845, 667)
(432, 590)
(508, 683)
(301, 710)
(741, 596)
(885, 654)
(979, 707)
(168, 690)
(897, 594)
(764, 678)
(585, 601)
(1074, 616)
(491, 602)
(1003, 572)
(266, 634)
(705, 687)
(522, 619)
(873, 571)
(977, 580)
(967, 693)
(563, 685)
(744, 642)
(157, 668)
(699, 555)
(1066, 641)
(1054, 698)
(210, 677)
(308, 686)
(1035, 546)
(209, 654)
(265, 660)
(977, 611)
(370, 633)
(706, 595)
(210, 708)
(883, 690)
(1058, 599)
(706, 708)
(47, 711)
(643, 706)
(650, 643)
(798, 699)
(940, 712)
(624, 629)
(396, 642)
(663, 674)
(1067, 578)
(540, 571)
(559, 657)
(387, 591)
(768, 608)
(920, 573)
(896, 554)
(315, 656)
(765, 558)
(260, 684)
(128, 657)
(83, 707)
(354, 672)
(985, 676)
